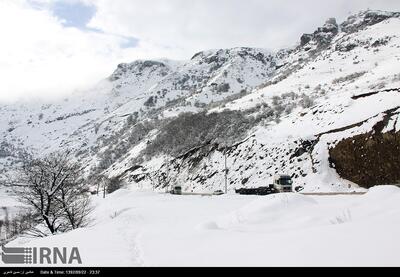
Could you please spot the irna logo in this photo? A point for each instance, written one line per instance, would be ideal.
(40, 255)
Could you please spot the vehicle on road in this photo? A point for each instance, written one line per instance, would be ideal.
(256, 191)
(281, 184)
(176, 190)
(218, 192)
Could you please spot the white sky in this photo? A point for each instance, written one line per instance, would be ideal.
(40, 55)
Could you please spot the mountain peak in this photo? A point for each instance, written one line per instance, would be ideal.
(221, 56)
(323, 35)
(366, 18)
(138, 66)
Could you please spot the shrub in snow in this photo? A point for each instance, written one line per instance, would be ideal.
(199, 104)
(396, 78)
(378, 86)
(279, 108)
(290, 95)
(306, 101)
(223, 87)
(289, 108)
(276, 100)
(349, 78)
(132, 119)
(150, 102)
(96, 128)
(114, 184)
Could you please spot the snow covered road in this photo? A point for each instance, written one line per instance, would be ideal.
(132, 228)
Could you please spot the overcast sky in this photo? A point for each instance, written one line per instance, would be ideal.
(50, 48)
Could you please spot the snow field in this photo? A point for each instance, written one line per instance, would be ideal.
(144, 228)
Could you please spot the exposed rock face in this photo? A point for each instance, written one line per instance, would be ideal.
(305, 38)
(346, 47)
(323, 35)
(221, 56)
(369, 159)
(364, 19)
(330, 26)
(137, 67)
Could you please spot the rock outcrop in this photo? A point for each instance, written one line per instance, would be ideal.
(372, 158)
(323, 35)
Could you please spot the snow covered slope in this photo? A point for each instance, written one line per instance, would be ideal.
(297, 103)
(338, 84)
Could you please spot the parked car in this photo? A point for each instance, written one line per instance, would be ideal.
(218, 192)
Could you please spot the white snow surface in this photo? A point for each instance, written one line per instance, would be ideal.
(144, 228)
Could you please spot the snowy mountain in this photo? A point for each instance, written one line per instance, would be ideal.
(297, 111)
(326, 112)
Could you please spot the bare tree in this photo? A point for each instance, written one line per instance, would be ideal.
(106, 184)
(101, 182)
(52, 187)
(20, 223)
(75, 204)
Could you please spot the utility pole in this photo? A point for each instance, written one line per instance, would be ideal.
(226, 173)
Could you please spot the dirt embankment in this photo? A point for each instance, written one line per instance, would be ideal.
(369, 159)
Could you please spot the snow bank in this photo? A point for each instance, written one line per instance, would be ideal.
(152, 229)
(265, 213)
(382, 192)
